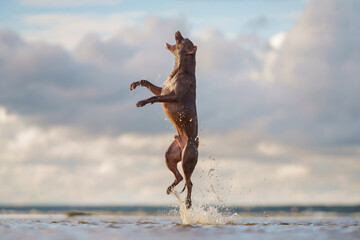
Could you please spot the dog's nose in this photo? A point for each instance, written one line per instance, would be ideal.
(178, 36)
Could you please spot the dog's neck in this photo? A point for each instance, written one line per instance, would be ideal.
(185, 64)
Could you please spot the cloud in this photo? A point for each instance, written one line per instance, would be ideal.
(38, 161)
(67, 3)
(60, 87)
(277, 40)
(271, 149)
(291, 171)
(318, 72)
(77, 87)
(288, 111)
(63, 165)
(68, 29)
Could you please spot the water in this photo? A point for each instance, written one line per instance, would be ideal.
(203, 215)
(200, 222)
(59, 226)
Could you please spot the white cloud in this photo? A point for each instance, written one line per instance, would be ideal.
(67, 166)
(271, 149)
(319, 73)
(68, 29)
(287, 172)
(5, 117)
(277, 40)
(39, 161)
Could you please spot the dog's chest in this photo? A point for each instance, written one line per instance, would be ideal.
(168, 86)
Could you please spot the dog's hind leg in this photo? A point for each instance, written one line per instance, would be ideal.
(172, 157)
(189, 160)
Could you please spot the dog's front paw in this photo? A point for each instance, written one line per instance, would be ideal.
(134, 85)
(141, 103)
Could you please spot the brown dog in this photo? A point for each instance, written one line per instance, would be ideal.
(177, 97)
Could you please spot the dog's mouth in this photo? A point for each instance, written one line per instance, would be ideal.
(178, 39)
(169, 47)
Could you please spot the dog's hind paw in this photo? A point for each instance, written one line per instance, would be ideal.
(188, 204)
(169, 189)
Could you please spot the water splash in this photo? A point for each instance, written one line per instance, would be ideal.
(199, 214)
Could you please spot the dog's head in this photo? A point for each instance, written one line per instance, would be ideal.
(183, 47)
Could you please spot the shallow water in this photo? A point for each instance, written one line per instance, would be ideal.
(29, 226)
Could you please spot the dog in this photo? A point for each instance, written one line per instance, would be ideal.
(178, 99)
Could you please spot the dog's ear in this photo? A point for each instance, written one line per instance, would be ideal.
(192, 50)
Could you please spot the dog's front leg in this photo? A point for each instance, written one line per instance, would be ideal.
(145, 83)
(171, 97)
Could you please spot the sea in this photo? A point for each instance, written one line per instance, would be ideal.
(175, 222)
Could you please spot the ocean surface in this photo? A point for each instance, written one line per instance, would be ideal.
(166, 227)
(201, 222)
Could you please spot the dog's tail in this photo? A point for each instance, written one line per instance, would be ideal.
(183, 188)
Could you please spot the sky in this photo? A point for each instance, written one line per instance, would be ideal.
(277, 98)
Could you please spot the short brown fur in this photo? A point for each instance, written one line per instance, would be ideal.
(177, 97)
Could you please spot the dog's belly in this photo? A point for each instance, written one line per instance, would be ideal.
(182, 117)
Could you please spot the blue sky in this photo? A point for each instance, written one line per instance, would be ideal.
(232, 17)
(277, 98)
